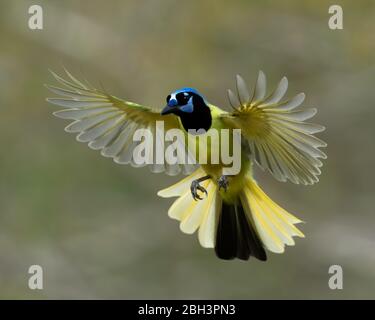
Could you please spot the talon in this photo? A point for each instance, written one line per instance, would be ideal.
(223, 183)
(195, 186)
(202, 189)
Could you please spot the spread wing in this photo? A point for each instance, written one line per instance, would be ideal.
(108, 123)
(274, 132)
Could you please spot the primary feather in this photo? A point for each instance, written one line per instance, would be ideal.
(108, 123)
(278, 139)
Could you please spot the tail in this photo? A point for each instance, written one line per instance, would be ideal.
(240, 230)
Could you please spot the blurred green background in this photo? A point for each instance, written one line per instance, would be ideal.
(98, 229)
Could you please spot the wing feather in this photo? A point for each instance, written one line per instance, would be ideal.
(108, 123)
(279, 140)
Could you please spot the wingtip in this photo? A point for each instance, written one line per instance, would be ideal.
(58, 113)
(54, 74)
(321, 129)
(161, 194)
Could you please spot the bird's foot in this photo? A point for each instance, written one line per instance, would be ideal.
(195, 186)
(223, 182)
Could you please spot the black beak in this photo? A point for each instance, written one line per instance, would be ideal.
(167, 109)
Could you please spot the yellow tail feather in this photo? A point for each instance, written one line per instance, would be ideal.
(200, 214)
(274, 225)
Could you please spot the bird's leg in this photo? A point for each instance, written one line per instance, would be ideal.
(195, 186)
(223, 182)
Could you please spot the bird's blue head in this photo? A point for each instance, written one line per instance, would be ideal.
(183, 101)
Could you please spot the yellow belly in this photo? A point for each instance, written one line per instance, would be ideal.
(203, 145)
(215, 169)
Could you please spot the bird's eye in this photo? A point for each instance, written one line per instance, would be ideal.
(168, 98)
(182, 98)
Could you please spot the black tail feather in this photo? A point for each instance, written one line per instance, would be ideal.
(236, 237)
(226, 234)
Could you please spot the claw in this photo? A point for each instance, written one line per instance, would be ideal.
(202, 189)
(195, 186)
(223, 183)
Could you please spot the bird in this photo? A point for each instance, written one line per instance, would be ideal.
(230, 213)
